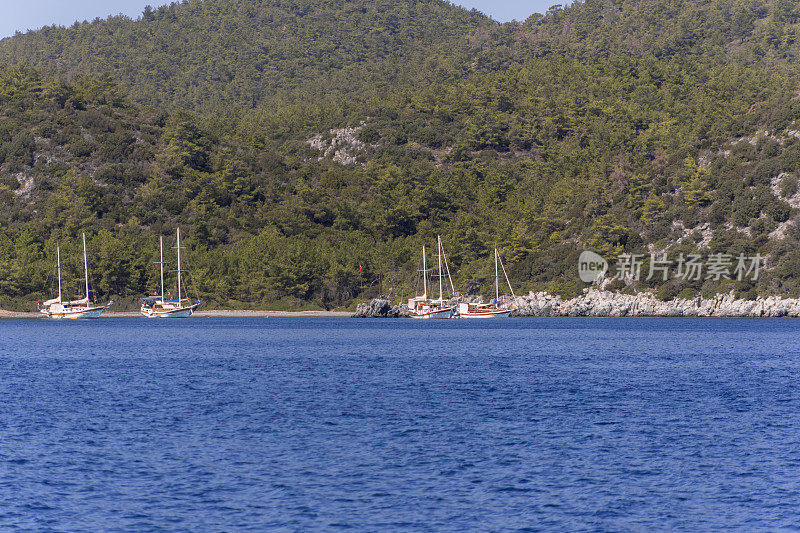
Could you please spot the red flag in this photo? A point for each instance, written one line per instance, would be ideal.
(360, 268)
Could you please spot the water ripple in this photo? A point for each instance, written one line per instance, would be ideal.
(298, 424)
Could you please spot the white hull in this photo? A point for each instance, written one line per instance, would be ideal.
(74, 314)
(501, 313)
(58, 309)
(422, 308)
(180, 312)
(433, 314)
(155, 307)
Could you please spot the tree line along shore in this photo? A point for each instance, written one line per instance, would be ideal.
(620, 128)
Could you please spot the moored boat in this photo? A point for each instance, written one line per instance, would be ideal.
(482, 310)
(73, 309)
(421, 307)
(155, 307)
(57, 308)
(494, 309)
(161, 307)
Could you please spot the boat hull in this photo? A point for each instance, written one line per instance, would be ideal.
(434, 314)
(75, 314)
(180, 312)
(500, 313)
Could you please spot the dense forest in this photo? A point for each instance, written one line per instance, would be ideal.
(213, 54)
(299, 143)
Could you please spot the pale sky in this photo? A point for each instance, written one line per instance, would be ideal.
(24, 15)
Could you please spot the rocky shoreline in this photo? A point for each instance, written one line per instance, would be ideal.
(595, 303)
(599, 303)
(380, 308)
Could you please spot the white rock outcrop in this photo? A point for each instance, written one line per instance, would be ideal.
(605, 303)
(343, 146)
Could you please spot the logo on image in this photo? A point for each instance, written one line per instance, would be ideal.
(591, 266)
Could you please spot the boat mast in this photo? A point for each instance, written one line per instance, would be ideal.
(161, 263)
(58, 254)
(86, 269)
(449, 277)
(439, 243)
(496, 279)
(514, 296)
(179, 266)
(424, 274)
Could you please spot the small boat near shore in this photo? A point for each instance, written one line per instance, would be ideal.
(482, 310)
(57, 308)
(155, 307)
(161, 307)
(421, 307)
(494, 309)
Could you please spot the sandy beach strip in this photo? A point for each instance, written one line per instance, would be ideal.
(15, 314)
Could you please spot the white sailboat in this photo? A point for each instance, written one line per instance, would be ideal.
(57, 308)
(423, 308)
(159, 306)
(493, 309)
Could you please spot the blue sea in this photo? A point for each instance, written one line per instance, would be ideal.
(397, 425)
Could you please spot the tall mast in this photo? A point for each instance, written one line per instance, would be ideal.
(161, 263)
(424, 274)
(513, 296)
(449, 277)
(439, 242)
(179, 266)
(58, 254)
(86, 268)
(496, 279)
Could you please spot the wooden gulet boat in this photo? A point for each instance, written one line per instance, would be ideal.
(491, 309)
(159, 306)
(421, 307)
(57, 308)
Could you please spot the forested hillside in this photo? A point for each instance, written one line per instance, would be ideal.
(622, 127)
(206, 54)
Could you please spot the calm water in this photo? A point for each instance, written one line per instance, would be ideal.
(297, 424)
